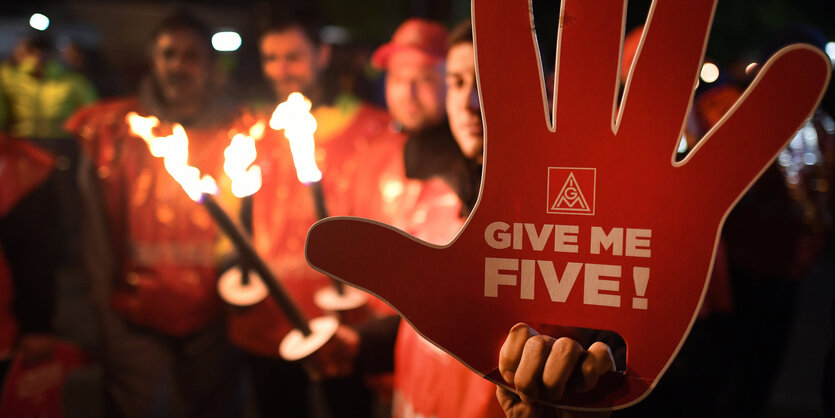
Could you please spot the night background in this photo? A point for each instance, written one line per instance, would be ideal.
(112, 38)
(113, 34)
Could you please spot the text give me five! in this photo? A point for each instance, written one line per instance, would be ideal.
(601, 283)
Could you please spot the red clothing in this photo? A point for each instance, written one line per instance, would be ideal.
(428, 382)
(363, 175)
(36, 388)
(22, 168)
(164, 242)
(355, 149)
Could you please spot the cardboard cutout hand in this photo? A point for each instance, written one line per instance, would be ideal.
(588, 222)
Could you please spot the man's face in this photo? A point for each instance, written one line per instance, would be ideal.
(415, 90)
(181, 64)
(462, 104)
(291, 62)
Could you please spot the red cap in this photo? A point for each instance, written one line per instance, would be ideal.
(423, 36)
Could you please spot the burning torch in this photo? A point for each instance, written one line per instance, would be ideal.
(299, 125)
(307, 336)
(235, 286)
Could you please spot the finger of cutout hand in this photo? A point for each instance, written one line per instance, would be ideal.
(773, 108)
(587, 65)
(664, 75)
(510, 78)
(359, 264)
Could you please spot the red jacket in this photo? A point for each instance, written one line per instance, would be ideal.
(363, 175)
(428, 382)
(22, 168)
(163, 242)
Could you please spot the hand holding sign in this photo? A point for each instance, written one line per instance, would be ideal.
(588, 222)
(541, 367)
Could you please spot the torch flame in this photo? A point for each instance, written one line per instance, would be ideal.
(256, 131)
(294, 117)
(173, 149)
(240, 154)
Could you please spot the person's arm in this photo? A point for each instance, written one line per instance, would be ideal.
(376, 345)
(367, 350)
(541, 367)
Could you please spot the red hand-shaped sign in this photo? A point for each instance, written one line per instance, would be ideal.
(588, 222)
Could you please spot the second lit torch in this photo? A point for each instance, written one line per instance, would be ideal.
(299, 125)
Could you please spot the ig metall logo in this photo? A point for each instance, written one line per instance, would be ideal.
(571, 190)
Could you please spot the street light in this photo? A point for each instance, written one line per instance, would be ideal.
(39, 21)
(226, 41)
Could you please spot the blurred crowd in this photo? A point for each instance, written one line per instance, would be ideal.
(110, 303)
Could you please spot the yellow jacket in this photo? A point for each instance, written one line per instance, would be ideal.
(37, 107)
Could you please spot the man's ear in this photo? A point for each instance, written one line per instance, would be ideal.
(323, 56)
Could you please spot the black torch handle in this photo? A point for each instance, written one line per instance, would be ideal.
(319, 200)
(248, 253)
(246, 214)
(244, 269)
(322, 213)
(246, 223)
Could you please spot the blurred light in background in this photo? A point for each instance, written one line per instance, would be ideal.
(751, 67)
(785, 158)
(682, 145)
(828, 124)
(39, 21)
(710, 72)
(830, 50)
(335, 35)
(226, 41)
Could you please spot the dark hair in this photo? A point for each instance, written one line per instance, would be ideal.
(182, 19)
(305, 18)
(462, 33)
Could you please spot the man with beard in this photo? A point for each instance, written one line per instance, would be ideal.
(151, 254)
(414, 61)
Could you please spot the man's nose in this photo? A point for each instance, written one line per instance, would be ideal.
(176, 62)
(473, 104)
(282, 68)
(413, 90)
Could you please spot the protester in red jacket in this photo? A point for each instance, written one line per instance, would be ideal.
(154, 264)
(427, 381)
(361, 160)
